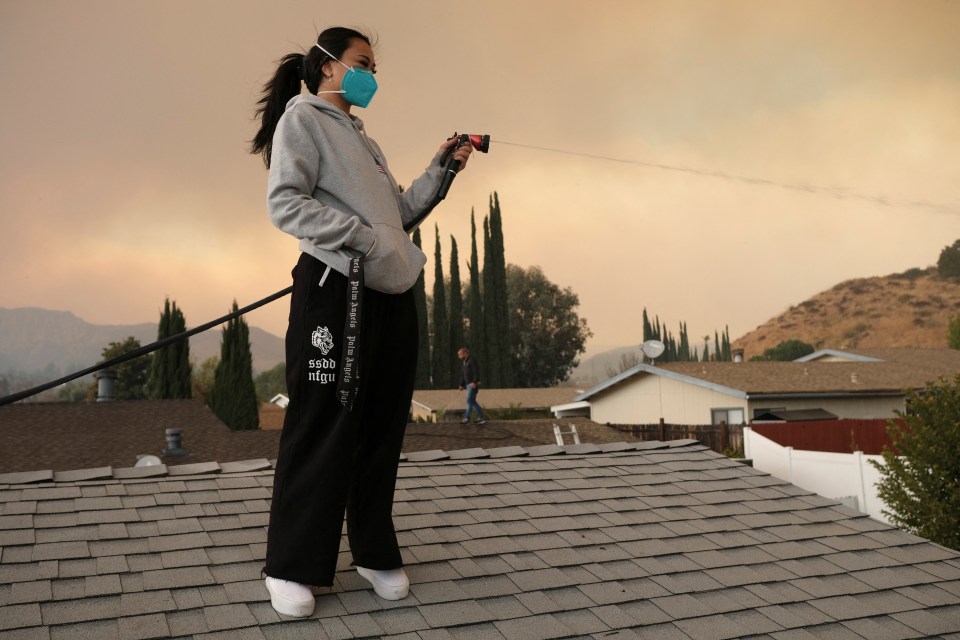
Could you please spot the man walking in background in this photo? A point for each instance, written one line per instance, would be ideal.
(469, 379)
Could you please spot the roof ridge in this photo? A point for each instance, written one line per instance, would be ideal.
(196, 469)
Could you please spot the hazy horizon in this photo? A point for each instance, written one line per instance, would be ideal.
(774, 149)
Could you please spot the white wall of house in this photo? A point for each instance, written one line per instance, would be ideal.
(880, 408)
(838, 476)
(644, 398)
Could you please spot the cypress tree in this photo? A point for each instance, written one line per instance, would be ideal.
(670, 353)
(476, 334)
(490, 370)
(234, 397)
(170, 367)
(502, 312)
(456, 313)
(440, 357)
(422, 380)
(684, 343)
(647, 329)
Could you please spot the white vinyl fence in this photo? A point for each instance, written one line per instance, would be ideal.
(845, 477)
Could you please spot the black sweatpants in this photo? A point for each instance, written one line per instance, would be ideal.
(331, 460)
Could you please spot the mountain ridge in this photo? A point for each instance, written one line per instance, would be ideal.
(52, 343)
(909, 309)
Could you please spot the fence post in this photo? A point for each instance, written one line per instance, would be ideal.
(660, 435)
(724, 437)
(862, 489)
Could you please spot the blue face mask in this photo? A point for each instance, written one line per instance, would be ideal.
(358, 85)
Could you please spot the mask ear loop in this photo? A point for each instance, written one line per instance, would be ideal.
(317, 45)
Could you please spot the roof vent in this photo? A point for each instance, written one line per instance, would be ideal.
(738, 355)
(853, 378)
(175, 444)
(106, 385)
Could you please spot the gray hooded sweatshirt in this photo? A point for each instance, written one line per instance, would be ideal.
(329, 186)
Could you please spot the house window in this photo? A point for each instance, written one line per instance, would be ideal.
(730, 416)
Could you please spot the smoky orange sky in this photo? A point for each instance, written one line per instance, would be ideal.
(778, 148)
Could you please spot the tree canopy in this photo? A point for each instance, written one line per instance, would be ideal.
(948, 265)
(504, 323)
(422, 380)
(920, 474)
(953, 333)
(456, 315)
(440, 327)
(170, 365)
(131, 375)
(786, 351)
(233, 398)
(271, 382)
(547, 335)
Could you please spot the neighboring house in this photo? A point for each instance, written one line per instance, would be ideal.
(75, 435)
(448, 405)
(61, 436)
(623, 541)
(870, 384)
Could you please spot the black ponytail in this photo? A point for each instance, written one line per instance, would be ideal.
(284, 85)
(295, 68)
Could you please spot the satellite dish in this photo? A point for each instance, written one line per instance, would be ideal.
(653, 349)
(147, 461)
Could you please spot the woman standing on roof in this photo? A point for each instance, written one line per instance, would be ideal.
(351, 343)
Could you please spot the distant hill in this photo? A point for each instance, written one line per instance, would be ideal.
(56, 343)
(910, 309)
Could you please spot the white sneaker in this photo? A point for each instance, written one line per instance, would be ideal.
(390, 584)
(290, 598)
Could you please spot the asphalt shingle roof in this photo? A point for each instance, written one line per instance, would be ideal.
(639, 540)
(62, 436)
(538, 398)
(77, 435)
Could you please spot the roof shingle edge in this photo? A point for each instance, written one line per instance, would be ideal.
(246, 466)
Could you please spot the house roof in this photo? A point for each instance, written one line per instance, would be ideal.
(446, 399)
(62, 437)
(940, 358)
(826, 354)
(902, 369)
(649, 540)
(76, 435)
(795, 415)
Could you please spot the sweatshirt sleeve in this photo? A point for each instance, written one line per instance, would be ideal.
(418, 199)
(294, 170)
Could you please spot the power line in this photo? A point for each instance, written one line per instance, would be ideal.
(840, 193)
